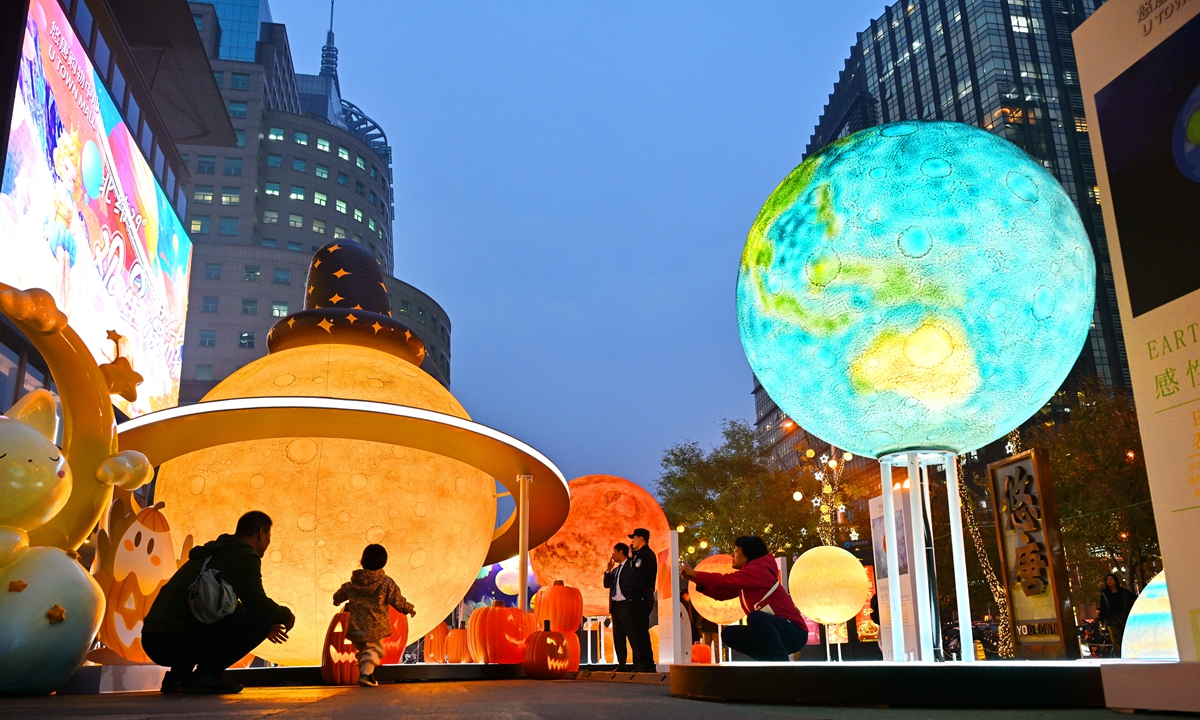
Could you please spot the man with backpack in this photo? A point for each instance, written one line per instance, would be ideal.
(214, 611)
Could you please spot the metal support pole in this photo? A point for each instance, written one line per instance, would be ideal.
(892, 548)
(966, 641)
(523, 540)
(916, 560)
(589, 623)
(828, 657)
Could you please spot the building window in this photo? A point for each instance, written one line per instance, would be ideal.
(283, 276)
(231, 196)
(374, 172)
(279, 308)
(249, 306)
(208, 338)
(322, 172)
(241, 137)
(204, 372)
(238, 109)
(319, 198)
(272, 188)
(275, 134)
(371, 223)
(239, 81)
(301, 138)
(299, 165)
(184, 158)
(293, 245)
(374, 197)
(359, 187)
(218, 76)
(251, 273)
(275, 161)
(405, 307)
(210, 303)
(228, 226)
(362, 164)
(339, 232)
(297, 193)
(270, 217)
(203, 194)
(322, 144)
(358, 216)
(421, 315)
(340, 205)
(246, 340)
(233, 166)
(212, 271)
(343, 153)
(343, 179)
(357, 238)
(318, 226)
(270, 242)
(295, 221)
(200, 224)
(206, 164)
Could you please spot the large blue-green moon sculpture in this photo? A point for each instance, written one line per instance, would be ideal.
(917, 285)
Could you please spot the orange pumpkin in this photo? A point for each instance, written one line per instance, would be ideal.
(547, 656)
(573, 651)
(561, 605)
(497, 634)
(338, 664)
(435, 644)
(701, 653)
(457, 646)
(126, 607)
(394, 644)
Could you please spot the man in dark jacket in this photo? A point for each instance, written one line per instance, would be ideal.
(196, 653)
(644, 570)
(618, 579)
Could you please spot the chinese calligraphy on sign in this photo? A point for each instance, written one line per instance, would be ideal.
(1034, 568)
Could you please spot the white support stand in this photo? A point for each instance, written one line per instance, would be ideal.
(917, 559)
(892, 544)
(958, 551)
(523, 540)
(674, 629)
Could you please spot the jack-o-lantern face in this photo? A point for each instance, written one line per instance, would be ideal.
(547, 655)
(146, 549)
(338, 663)
(121, 629)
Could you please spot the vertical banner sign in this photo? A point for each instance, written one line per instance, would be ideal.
(884, 586)
(868, 630)
(1033, 567)
(674, 638)
(1139, 65)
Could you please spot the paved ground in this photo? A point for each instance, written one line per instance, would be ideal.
(567, 699)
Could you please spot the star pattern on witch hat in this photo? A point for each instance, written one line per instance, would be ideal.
(341, 274)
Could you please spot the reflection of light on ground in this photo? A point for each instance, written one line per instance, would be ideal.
(1149, 631)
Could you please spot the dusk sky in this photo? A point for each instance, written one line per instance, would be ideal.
(574, 183)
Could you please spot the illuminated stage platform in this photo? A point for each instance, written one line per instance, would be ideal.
(311, 675)
(998, 685)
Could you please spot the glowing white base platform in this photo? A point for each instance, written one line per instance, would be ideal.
(1168, 686)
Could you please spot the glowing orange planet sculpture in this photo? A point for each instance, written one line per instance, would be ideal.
(722, 612)
(343, 440)
(604, 510)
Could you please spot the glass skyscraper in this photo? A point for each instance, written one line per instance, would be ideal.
(240, 22)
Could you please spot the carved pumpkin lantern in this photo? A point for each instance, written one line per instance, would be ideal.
(547, 656)
(436, 644)
(497, 634)
(562, 605)
(394, 644)
(572, 651)
(338, 664)
(701, 653)
(457, 647)
(125, 608)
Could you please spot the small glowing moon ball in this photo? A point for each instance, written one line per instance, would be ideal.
(1149, 630)
(722, 612)
(915, 285)
(604, 510)
(329, 498)
(828, 585)
(1185, 140)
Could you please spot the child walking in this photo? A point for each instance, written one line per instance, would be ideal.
(369, 593)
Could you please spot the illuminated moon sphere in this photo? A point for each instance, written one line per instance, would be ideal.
(828, 585)
(722, 612)
(604, 510)
(915, 285)
(1185, 140)
(1149, 630)
(331, 497)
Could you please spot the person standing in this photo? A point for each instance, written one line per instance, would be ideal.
(1115, 603)
(644, 571)
(617, 579)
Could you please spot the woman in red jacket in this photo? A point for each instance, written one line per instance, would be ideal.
(774, 628)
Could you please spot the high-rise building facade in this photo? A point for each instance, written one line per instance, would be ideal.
(306, 168)
(1006, 66)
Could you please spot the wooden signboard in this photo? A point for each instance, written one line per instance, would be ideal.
(1033, 568)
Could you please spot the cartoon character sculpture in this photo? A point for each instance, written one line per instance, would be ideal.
(51, 498)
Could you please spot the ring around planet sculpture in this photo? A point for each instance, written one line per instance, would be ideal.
(915, 285)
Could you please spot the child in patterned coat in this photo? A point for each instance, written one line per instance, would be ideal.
(369, 593)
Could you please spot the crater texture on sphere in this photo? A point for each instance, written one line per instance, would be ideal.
(329, 498)
(915, 285)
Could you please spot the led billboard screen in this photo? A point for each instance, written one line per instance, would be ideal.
(83, 217)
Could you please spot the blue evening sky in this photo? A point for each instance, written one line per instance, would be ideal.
(574, 183)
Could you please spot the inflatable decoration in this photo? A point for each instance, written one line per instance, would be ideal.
(394, 644)
(1149, 629)
(458, 648)
(339, 665)
(559, 605)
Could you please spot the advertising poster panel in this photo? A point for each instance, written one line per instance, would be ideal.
(83, 217)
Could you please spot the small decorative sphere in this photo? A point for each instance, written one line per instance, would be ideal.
(915, 285)
(722, 612)
(828, 585)
(1185, 140)
(1149, 630)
